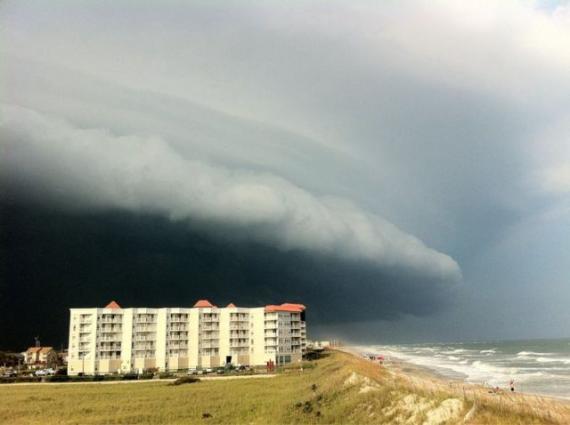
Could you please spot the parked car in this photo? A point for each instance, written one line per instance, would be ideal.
(45, 372)
(192, 371)
(208, 370)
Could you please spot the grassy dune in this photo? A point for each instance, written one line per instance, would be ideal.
(340, 388)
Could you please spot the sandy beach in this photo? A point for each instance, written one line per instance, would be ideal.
(421, 380)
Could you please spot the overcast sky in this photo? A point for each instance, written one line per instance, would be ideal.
(403, 167)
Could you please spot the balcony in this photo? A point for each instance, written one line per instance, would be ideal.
(177, 319)
(111, 328)
(178, 338)
(210, 337)
(144, 348)
(113, 321)
(145, 320)
(143, 338)
(144, 329)
(239, 326)
(117, 348)
(209, 318)
(104, 357)
(239, 318)
(209, 328)
(111, 339)
(178, 329)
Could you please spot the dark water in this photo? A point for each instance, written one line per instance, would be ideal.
(537, 366)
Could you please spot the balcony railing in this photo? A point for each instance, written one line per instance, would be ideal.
(107, 338)
(178, 338)
(143, 338)
(118, 348)
(144, 348)
(109, 357)
(178, 328)
(210, 337)
(116, 321)
(178, 319)
(239, 326)
(142, 320)
(209, 327)
(178, 347)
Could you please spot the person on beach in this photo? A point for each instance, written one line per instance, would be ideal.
(512, 385)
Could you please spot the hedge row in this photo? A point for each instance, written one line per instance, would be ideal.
(67, 378)
(15, 379)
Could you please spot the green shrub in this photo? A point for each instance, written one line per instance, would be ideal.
(84, 378)
(129, 377)
(185, 380)
(58, 378)
(165, 375)
(19, 379)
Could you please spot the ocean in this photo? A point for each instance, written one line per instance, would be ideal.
(537, 366)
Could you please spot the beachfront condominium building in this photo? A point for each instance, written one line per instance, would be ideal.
(120, 340)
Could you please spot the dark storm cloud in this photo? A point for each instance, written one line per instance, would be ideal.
(58, 260)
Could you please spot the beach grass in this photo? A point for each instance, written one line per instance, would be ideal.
(337, 389)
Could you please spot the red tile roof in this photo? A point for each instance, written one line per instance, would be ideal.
(289, 307)
(231, 305)
(203, 304)
(39, 349)
(113, 305)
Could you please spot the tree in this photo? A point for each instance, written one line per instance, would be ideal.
(53, 360)
(8, 359)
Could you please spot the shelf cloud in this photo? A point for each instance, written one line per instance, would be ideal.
(93, 168)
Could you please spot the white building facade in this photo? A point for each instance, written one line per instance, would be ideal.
(121, 340)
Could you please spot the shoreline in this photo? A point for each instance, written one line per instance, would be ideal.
(419, 372)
